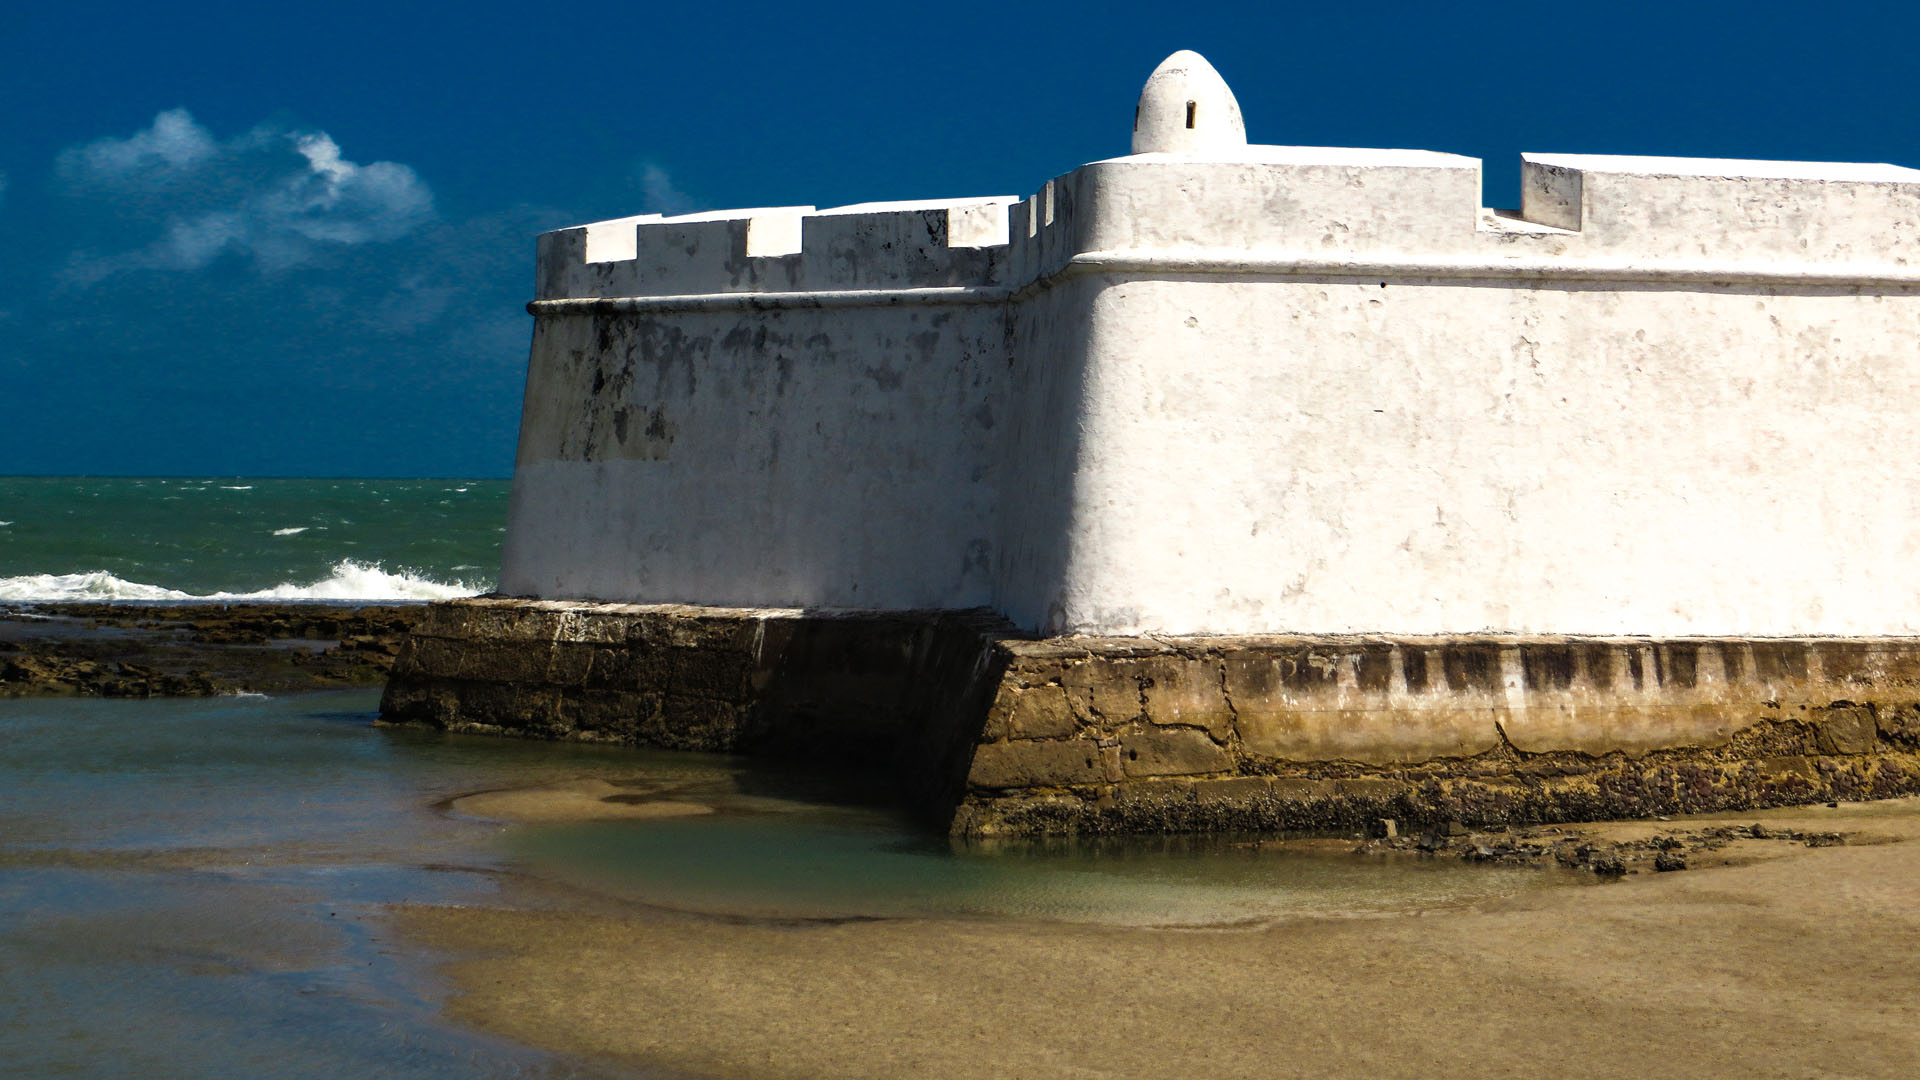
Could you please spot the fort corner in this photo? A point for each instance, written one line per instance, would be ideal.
(1225, 485)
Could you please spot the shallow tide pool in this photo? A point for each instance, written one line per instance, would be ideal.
(197, 887)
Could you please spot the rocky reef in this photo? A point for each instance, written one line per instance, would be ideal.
(176, 650)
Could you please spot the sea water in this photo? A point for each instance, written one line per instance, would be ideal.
(198, 887)
(145, 538)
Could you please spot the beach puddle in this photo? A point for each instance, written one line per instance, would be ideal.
(724, 837)
(826, 862)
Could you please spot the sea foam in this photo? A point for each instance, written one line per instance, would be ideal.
(348, 580)
(99, 585)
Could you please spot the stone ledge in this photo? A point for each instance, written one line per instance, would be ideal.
(993, 733)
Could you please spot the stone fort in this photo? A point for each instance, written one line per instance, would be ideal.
(1233, 486)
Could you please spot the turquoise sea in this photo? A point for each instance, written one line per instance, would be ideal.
(144, 538)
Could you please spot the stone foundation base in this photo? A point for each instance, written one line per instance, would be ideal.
(991, 733)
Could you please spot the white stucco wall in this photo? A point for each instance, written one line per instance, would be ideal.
(1259, 389)
(805, 458)
(1436, 457)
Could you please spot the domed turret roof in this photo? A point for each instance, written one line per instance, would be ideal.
(1187, 108)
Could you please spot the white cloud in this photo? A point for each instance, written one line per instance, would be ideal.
(658, 194)
(280, 197)
(174, 144)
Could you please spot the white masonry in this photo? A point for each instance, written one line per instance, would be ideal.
(1219, 388)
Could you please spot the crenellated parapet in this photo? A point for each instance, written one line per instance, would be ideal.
(1194, 197)
(1280, 210)
(790, 250)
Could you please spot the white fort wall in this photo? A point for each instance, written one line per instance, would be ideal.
(1272, 390)
(701, 445)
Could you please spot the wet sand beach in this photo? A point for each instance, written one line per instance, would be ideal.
(1768, 957)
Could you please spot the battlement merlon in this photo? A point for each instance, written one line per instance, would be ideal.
(1727, 210)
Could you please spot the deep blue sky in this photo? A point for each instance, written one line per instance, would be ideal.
(264, 239)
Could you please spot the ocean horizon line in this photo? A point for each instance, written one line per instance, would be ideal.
(240, 476)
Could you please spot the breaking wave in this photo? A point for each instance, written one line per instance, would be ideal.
(348, 580)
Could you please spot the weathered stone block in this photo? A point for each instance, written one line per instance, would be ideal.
(568, 662)
(1549, 667)
(1846, 729)
(1787, 766)
(1045, 650)
(519, 663)
(1233, 789)
(1291, 675)
(429, 656)
(588, 628)
(711, 673)
(1780, 662)
(1899, 723)
(1186, 692)
(1254, 677)
(678, 628)
(998, 725)
(1892, 664)
(649, 630)
(1297, 789)
(607, 715)
(1042, 713)
(1370, 788)
(635, 668)
(1846, 661)
(1375, 736)
(1171, 752)
(511, 623)
(1154, 791)
(1107, 690)
(1633, 729)
(1036, 764)
(1025, 674)
(1471, 668)
(527, 708)
(1111, 649)
(414, 702)
(692, 723)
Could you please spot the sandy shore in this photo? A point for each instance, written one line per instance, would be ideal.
(1782, 954)
(588, 799)
(1769, 957)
